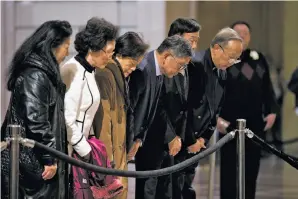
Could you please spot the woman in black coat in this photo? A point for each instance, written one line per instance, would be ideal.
(37, 96)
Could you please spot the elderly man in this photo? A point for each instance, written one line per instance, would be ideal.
(151, 132)
(249, 95)
(206, 88)
(176, 94)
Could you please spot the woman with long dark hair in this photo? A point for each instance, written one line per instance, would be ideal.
(36, 104)
(95, 45)
(110, 121)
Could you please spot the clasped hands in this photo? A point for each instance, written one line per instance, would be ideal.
(196, 147)
(174, 147)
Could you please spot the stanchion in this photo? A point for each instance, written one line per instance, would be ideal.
(14, 161)
(241, 124)
(212, 166)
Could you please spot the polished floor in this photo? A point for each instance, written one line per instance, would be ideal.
(277, 179)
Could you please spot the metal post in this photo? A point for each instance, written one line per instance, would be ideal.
(212, 166)
(241, 125)
(14, 161)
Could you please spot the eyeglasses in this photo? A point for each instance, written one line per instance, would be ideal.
(231, 60)
(182, 66)
(108, 54)
(193, 41)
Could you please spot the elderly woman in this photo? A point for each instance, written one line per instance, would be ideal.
(110, 121)
(95, 46)
(37, 93)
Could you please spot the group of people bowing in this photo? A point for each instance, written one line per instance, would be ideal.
(114, 101)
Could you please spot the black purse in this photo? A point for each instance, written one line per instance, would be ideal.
(30, 167)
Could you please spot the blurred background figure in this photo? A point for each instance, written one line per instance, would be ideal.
(293, 87)
(274, 135)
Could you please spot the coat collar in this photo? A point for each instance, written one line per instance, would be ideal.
(82, 60)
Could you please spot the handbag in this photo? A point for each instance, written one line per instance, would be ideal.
(30, 167)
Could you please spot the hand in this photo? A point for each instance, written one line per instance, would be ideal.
(49, 172)
(270, 119)
(202, 141)
(195, 148)
(175, 146)
(222, 125)
(134, 149)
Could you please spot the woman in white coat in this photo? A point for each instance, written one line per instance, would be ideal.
(95, 46)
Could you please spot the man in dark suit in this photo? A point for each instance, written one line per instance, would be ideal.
(206, 89)
(176, 94)
(152, 137)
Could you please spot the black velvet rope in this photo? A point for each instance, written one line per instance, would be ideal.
(293, 161)
(137, 174)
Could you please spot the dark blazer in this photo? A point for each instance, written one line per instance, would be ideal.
(144, 91)
(176, 103)
(206, 90)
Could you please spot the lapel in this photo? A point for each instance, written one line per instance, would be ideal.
(152, 77)
(178, 86)
(187, 83)
(211, 81)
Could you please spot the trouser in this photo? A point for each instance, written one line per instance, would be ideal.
(151, 157)
(182, 180)
(228, 169)
(188, 191)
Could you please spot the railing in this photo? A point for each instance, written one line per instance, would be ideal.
(15, 139)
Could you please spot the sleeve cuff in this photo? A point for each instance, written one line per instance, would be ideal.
(48, 160)
(169, 138)
(82, 147)
(190, 142)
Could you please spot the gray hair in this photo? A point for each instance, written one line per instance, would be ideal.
(178, 46)
(224, 36)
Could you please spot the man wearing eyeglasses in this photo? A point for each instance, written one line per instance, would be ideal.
(249, 95)
(151, 142)
(175, 96)
(206, 89)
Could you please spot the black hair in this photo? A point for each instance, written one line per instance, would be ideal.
(241, 23)
(177, 45)
(47, 37)
(130, 45)
(184, 25)
(95, 36)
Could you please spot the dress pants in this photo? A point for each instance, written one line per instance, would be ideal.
(188, 191)
(151, 156)
(182, 180)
